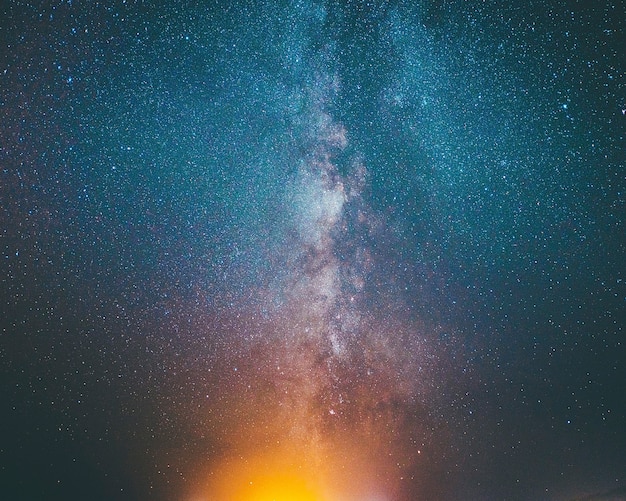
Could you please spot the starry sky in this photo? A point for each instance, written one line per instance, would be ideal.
(313, 250)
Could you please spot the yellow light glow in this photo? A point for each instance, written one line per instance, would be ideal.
(280, 476)
(278, 487)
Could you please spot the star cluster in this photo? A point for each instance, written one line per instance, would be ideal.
(312, 250)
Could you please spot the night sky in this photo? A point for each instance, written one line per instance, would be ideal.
(313, 250)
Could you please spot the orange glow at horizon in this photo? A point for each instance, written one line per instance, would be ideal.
(276, 476)
(278, 487)
(298, 474)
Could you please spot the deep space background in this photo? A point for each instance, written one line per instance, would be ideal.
(377, 245)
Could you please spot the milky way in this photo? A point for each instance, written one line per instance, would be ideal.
(315, 251)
